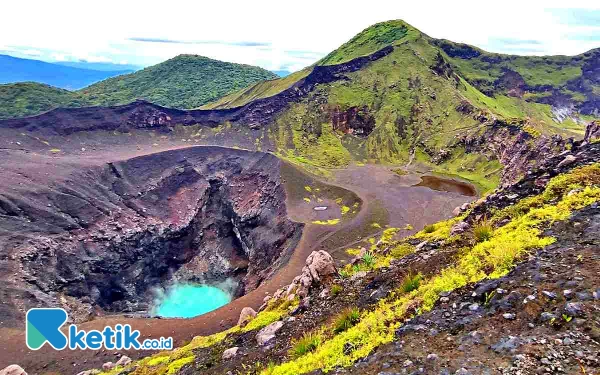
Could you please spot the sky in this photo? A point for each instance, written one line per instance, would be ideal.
(280, 35)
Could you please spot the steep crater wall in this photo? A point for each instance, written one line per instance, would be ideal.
(104, 238)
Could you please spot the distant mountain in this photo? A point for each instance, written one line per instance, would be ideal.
(14, 69)
(186, 81)
(106, 67)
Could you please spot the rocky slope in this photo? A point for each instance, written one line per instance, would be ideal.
(508, 286)
(102, 239)
(392, 94)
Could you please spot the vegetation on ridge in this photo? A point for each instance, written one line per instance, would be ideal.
(185, 81)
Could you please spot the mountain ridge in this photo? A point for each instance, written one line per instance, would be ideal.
(185, 81)
(18, 70)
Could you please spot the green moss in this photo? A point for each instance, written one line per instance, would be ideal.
(176, 365)
(327, 222)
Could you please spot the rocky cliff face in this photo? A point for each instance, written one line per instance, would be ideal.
(108, 236)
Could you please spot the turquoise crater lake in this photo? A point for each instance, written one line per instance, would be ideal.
(189, 300)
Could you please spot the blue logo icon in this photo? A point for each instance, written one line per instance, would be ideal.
(43, 325)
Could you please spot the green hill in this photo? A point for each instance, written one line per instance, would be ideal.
(186, 81)
(30, 98)
(423, 101)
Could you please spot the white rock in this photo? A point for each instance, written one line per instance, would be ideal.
(230, 353)
(108, 366)
(13, 370)
(246, 315)
(265, 335)
(124, 361)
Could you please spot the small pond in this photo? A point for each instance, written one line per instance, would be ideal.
(447, 184)
(190, 300)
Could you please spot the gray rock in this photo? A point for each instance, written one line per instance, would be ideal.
(597, 294)
(507, 344)
(107, 366)
(432, 357)
(267, 334)
(546, 316)
(462, 371)
(230, 353)
(568, 293)
(575, 309)
(583, 296)
(509, 316)
(550, 295)
(123, 361)
(459, 228)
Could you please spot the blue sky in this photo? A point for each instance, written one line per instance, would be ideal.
(280, 35)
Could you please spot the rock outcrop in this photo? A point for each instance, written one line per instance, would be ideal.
(13, 370)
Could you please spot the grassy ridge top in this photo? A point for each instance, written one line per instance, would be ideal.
(186, 81)
(371, 40)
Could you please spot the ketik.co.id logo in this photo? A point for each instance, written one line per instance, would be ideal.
(43, 325)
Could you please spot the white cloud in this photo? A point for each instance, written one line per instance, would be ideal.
(101, 31)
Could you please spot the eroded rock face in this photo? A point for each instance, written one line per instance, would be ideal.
(106, 237)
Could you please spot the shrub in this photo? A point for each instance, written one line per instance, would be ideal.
(336, 289)
(410, 282)
(429, 228)
(306, 344)
(346, 319)
(368, 259)
(482, 231)
(344, 274)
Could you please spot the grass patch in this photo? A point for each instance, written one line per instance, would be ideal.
(336, 289)
(306, 344)
(346, 319)
(482, 231)
(410, 282)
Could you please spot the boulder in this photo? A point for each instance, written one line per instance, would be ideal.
(246, 315)
(575, 309)
(13, 370)
(107, 366)
(124, 361)
(568, 160)
(230, 353)
(320, 264)
(267, 334)
(459, 228)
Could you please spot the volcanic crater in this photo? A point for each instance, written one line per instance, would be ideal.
(102, 239)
